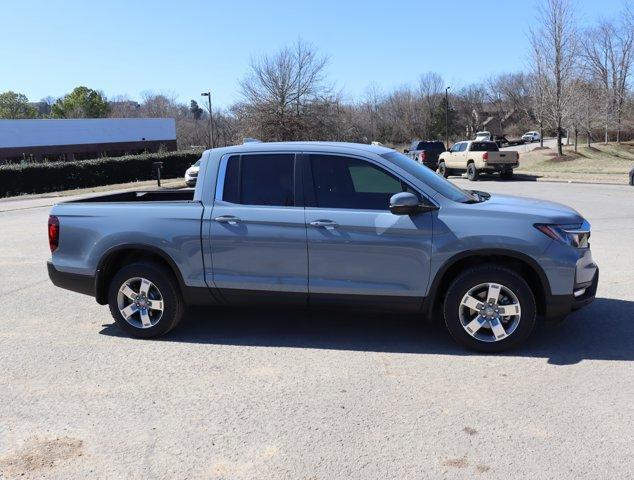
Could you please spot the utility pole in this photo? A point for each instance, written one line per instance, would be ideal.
(211, 128)
(447, 118)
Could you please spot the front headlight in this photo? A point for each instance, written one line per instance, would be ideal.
(577, 236)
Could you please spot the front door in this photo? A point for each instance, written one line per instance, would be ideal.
(456, 156)
(257, 232)
(358, 249)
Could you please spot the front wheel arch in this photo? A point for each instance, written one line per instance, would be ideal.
(534, 274)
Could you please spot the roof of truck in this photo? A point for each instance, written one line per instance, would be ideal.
(294, 146)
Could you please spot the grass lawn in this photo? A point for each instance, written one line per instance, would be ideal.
(600, 159)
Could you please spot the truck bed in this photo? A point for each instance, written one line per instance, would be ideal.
(186, 195)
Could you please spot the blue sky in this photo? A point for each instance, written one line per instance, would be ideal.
(189, 46)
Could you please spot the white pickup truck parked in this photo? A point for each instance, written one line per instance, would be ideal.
(475, 157)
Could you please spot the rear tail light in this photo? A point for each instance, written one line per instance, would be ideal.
(485, 157)
(421, 156)
(53, 232)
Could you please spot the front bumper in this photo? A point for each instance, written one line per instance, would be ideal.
(586, 292)
(559, 306)
(71, 281)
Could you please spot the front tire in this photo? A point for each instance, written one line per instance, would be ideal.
(443, 170)
(472, 172)
(145, 300)
(489, 309)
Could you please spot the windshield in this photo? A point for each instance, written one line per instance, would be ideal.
(428, 176)
(197, 164)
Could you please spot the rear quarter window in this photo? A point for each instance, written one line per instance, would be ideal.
(484, 147)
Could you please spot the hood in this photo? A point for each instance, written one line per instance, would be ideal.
(192, 169)
(542, 211)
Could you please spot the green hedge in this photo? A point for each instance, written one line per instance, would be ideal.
(23, 178)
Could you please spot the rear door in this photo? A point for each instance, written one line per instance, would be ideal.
(258, 232)
(357, 249)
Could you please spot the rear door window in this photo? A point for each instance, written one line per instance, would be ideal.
(265, 179)
(484, 147)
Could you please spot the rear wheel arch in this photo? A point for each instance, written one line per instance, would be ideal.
(528, 268)
(116, 258)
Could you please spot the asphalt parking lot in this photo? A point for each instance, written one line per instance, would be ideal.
(266, 394)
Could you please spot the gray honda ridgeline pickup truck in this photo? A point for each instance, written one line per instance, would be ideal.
(333, 224)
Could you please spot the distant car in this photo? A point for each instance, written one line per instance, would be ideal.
(531, 137)
(191, 174)
(426, 152)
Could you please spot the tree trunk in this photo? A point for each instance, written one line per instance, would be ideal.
(541, 135)
(576, 138)
(560, 149)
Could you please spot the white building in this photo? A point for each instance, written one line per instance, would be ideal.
(84, 138)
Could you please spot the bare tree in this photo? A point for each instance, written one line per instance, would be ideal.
(555, 45)
(280, 90)
(403, 115)
(538, 82)
(123, 107)
(431, 87)
(469, 103)
(369, 115)
(608, 53)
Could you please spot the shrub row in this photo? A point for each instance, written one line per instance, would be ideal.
(23, 178)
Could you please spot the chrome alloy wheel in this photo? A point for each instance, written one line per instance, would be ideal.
(490, 312)
(140, 302)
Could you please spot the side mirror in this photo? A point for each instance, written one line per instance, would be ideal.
(406, 203)
(405, 150)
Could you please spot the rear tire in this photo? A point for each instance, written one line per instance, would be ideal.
(506, 174)
(145, 300)
(443, 170)
(496, 329)
(472, 172)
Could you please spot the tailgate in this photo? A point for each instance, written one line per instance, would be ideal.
(503, 157)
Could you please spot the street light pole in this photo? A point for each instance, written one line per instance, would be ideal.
(447, 117)
(211, 128)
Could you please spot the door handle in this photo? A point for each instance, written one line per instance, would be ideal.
(230, 219)
(327, 224)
